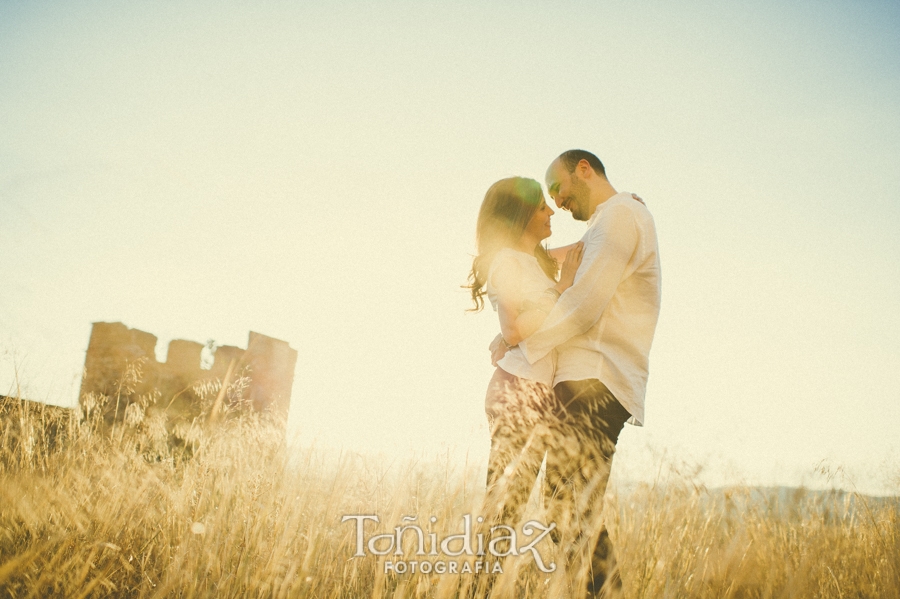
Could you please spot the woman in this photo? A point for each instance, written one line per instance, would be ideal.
(519, 277)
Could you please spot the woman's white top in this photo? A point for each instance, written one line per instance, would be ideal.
(531, 282)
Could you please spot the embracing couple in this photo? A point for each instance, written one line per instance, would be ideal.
(572, 356)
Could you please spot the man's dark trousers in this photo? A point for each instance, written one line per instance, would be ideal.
(584, 433)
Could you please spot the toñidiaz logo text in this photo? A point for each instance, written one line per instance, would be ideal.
(503, 541)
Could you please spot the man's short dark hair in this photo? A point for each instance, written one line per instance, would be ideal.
(571, 159)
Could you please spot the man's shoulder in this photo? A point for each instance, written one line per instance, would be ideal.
(626, 199)
(618, 207)
(618, 213)
(623, 202)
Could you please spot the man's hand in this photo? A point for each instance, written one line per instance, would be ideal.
(498, 349)
(638, 198)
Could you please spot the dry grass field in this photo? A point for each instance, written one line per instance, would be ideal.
(228, 512)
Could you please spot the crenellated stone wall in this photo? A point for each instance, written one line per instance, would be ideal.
(121, 365)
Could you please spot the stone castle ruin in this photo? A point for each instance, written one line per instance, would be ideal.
(121, 365)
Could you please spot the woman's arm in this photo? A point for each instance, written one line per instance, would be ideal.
(519, 318)
(559, 254)
(505, 280)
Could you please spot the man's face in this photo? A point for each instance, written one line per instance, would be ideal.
(569, 191)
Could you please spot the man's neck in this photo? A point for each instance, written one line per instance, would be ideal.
(600, 193)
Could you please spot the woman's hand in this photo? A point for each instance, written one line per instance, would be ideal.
(570, 267)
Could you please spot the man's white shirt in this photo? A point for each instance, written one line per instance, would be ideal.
(602, 326)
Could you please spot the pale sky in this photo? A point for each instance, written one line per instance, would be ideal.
(313, 172)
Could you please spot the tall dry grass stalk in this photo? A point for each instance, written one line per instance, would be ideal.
(232, 513)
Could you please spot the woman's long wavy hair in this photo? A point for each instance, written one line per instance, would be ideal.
(506, 210)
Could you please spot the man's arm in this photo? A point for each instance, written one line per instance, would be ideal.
(612, 242)
(520, 318)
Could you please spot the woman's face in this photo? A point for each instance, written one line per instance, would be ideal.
(539, 225)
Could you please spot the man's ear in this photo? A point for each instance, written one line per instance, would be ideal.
(584, 169)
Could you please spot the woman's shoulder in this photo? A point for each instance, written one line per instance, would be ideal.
(508, 259)
(504, 267)
(511, 256)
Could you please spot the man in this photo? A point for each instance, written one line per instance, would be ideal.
(602, 328)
